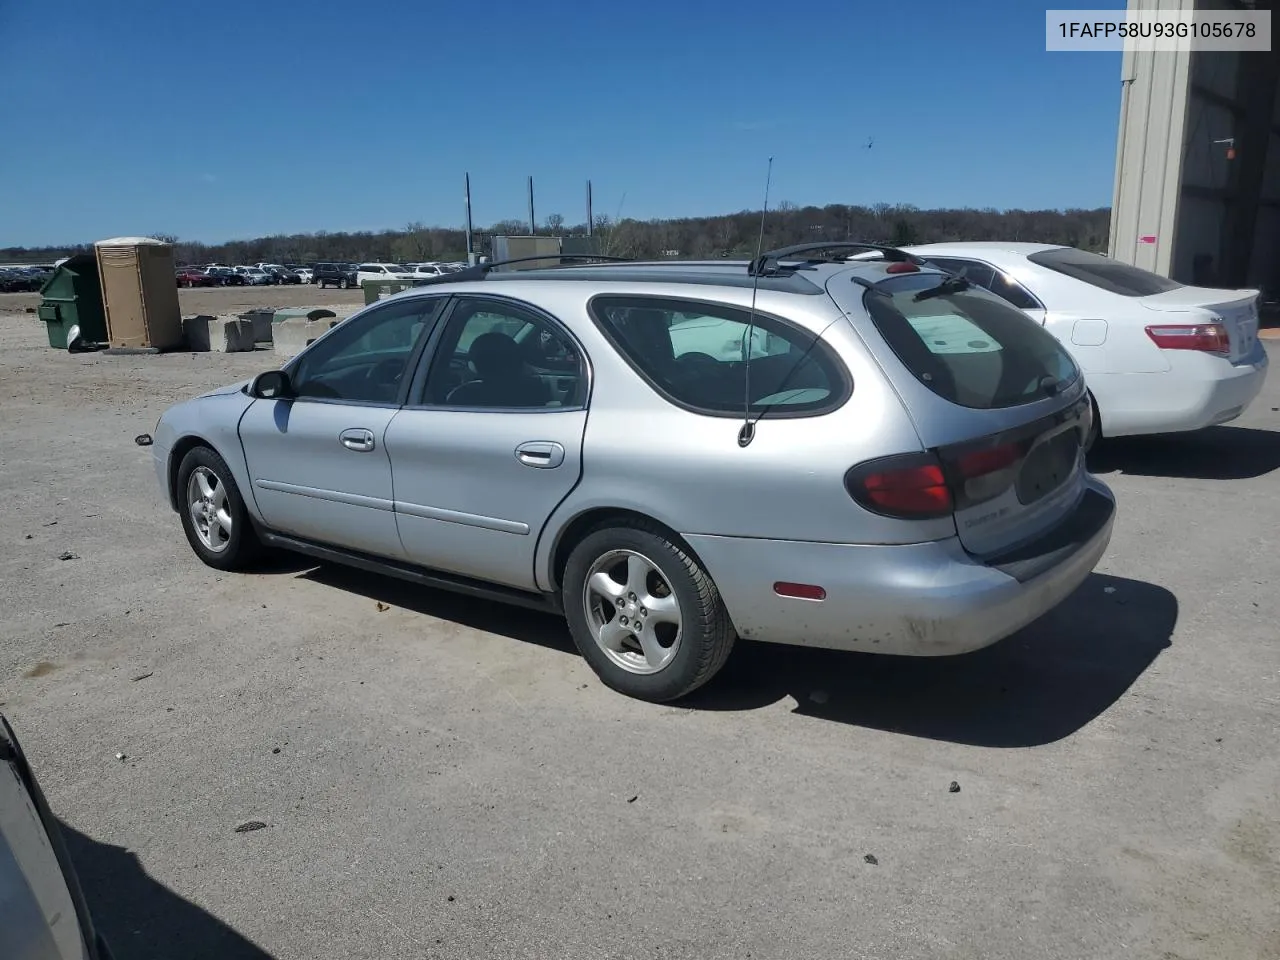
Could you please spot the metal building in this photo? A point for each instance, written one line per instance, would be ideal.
(1197, 186)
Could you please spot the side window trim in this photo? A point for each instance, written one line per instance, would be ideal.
(415, 356)
(417, 399)
(836, 400)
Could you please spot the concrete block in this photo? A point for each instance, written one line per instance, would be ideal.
(261, 320)
(217, 334)
(195, 333)
(292, 335)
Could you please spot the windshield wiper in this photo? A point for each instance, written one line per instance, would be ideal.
(948, 285)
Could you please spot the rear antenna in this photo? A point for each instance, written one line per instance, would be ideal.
(748, 431)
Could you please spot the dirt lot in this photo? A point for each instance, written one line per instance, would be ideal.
(217, 300)
(445, 778)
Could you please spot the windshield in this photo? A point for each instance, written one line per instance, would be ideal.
(966, 344)
(1104, 273)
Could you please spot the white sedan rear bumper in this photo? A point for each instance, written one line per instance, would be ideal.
(1197, 391)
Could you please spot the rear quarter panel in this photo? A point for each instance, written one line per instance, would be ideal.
(687, 470)
(1074, 307)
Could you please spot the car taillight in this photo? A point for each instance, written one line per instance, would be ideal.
(1205, 337)
(912, 487)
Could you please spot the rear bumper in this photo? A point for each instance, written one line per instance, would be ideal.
(925, 599)
(1197, 391)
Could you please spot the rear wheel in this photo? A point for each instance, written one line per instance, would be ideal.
(213, 513)
(644, 613)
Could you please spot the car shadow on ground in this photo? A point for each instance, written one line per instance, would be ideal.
(1038, 686)
(1217, 453)
(528, 626)
(142, 919)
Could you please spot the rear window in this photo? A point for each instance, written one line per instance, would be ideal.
(968, 346)
(699, 356)
(1104, 273)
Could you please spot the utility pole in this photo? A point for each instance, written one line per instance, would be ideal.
(589, 216)
(533, 224)
(471, 254)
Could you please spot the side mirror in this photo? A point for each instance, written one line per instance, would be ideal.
(272, 385)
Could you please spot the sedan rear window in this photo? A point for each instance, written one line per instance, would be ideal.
(966, 344)
(1103, 272)
(706, 357)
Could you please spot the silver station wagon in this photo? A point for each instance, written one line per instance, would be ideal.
(869, 456)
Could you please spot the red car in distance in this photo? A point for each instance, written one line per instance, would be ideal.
(193, 277)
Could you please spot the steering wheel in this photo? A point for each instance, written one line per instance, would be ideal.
(388, 371)
(696, 359)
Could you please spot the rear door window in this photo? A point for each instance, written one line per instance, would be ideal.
(1103, 272)
(968, 345)
(706, 356)
(988, 277)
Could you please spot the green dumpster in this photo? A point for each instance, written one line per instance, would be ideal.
(73, 297)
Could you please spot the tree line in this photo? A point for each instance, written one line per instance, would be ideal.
(733, 235)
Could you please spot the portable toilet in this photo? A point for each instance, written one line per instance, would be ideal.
(140, 293)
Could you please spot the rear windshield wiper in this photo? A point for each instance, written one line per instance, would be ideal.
(948, 285)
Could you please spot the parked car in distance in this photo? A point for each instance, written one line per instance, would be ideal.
(938, 506)
(192, 277)
(225, 277)
(279, 273)
(44, 912)
(1159, 356)
(18, 281)
(340, 275)
(305, 274)
(428, 270)
(255, 276)
(382, 271)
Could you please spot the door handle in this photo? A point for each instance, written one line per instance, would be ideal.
(357, 438)
(540, 453)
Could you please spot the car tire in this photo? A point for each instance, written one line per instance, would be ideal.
(213, 513)
(342, 283)
(1095, 428)
(659, 632)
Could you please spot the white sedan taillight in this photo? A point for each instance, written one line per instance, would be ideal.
(1205, 337)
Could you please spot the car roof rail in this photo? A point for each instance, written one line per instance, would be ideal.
(769, 263)
(478, 271)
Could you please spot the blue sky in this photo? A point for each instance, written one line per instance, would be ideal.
(215, 121)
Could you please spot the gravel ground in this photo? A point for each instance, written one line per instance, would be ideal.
(217, 300)
(445, 777)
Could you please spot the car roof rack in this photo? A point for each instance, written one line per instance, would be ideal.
(478, 271)
(770, 263)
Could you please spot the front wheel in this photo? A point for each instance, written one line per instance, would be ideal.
(1095, 427)
(342, 284)
(213, 513)
(644, 613)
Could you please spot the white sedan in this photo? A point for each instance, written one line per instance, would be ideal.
(1159, 356)
(382, 271)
